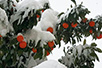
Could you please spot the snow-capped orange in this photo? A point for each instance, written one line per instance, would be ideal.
(51, 44)
(50, 29)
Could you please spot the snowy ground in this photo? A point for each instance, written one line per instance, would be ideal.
(50, 64)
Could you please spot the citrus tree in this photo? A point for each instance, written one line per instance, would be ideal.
(30, 29)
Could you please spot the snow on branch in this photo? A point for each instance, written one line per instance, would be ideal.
(5, 26)
(81, 56)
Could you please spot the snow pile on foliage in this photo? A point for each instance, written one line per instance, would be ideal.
(73, 13)
(36, 35)
(43, 2)
(5, 26)
(48, 19)
(24, 7)
(32, 62)
(80, 56)
(50, 64)
(39, 32)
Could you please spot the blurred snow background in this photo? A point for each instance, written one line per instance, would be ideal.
(61, 6)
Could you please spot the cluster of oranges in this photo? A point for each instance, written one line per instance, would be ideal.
(91, 24)
(20, 39)
(50, 44)
(23, 44)
(38, 16)
(66, 25)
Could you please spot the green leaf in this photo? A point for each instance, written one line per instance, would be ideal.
(93, 44)
(94, 55)
(98, 50)
(39, 53)
(38, 44)
(74, 1)
(20, 52)
(60, 14)
(84, 42)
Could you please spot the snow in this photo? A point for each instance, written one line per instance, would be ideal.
(33, 63)
(36, 34)
(50, 64)
(26, 6)
(5, 26)
(2, 1)
(79, 49)
(48, 19)
(77, 52)
(42, 2)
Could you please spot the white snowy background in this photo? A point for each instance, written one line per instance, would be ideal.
(95, 6)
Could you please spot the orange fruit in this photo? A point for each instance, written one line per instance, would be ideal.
(20, 38)
(38, 16)
(23, 44)
(34, 50)
(91, 23)
(47, 53)
(73, 25)
(99, 37)
(51, 44)
(42, 10)
(65, 25)
(51, 48)
(14, 5)
(50, 29)
(91, 31)
(84, 20)
(0, 36)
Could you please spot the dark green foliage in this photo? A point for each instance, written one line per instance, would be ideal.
(74, 34)
(85, 59)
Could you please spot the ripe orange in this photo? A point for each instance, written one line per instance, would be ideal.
(20, 38)
(84, 20)
(51, 48)
(34, 50)
(73, 25)
(51, 44)
(14, 5)
(91, 31)
(42, 10)
(22, 44)
(91, 23)
(50, 29)
(99, 37)
(47, 53)
(0, 36)
(65, 25)
(38, 16)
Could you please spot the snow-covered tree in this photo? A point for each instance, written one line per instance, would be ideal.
(30, 29)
